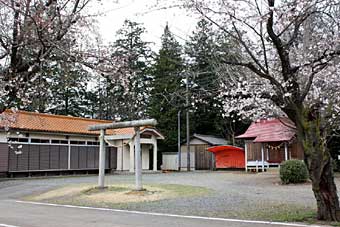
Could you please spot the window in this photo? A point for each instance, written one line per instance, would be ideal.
(63, 141)
(77, 142)
(13, 139)
(40, 141)
(21, 140)
(59, 141)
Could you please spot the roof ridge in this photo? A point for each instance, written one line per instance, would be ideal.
(59, 116)
(196, 134)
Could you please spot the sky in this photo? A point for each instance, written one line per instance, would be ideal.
(114, 12)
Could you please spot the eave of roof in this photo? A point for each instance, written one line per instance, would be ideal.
(204, 138)
(271, 130)
(49, 123)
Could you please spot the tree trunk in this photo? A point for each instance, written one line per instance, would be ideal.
(319, 164)
(325, 193)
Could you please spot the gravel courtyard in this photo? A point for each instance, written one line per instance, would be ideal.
(231, 194)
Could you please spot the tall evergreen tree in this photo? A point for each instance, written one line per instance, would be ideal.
(60, 89)
(202, 49)
(165, 101)
(205, 49)
(128, 90)
(69, 89)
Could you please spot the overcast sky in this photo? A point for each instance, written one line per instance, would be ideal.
(142, 11)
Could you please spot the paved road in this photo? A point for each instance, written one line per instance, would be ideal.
(231, 190)
(17, 214)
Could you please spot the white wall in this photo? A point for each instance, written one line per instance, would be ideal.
(145, 156)
(170, 161)
(184, 158)
(3, 138)
(126, 157)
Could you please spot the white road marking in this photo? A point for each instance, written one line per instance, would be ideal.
(169, 215)
(4, 225)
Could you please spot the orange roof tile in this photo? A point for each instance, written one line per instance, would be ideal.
(32, 121)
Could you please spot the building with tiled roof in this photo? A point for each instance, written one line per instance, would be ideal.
(200, 157)
(31, 142)
(268, 142)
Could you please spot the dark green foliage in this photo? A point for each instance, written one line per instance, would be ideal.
(61, 89)
(206, 48)
(166, 96)
(293, 171)
(334, 148)
(127, 91)
(201, 48)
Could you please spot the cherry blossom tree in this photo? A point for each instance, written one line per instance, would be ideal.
(288, 65)
(33, 32)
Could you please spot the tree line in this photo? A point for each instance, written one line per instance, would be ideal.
(127, 80)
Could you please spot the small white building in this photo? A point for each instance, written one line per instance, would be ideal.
(123, 140)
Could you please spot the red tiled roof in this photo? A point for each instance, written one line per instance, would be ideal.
(270, 130)
(32, 121)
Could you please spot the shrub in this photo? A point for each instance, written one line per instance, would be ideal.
(293, 171)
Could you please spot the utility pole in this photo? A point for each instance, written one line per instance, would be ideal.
(179, 140)
(188, 122)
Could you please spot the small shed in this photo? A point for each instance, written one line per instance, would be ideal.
(269, 142)
(228, 157)
(200, 157)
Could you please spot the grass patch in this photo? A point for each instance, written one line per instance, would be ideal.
(272, 212)
(94, 190)
(118, 195)
(290, 215)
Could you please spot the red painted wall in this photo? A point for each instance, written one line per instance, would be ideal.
(230, 159)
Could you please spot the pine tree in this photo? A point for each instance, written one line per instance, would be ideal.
(61, 88)
(202, 49)
(206, 48)
(127, 91)
(165, 101)
(68, 87)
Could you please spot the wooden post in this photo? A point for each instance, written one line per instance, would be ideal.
(262, 156)
(154, 153)
(179, 140)
(286, 151)
(122, 157)
(246, 155)
(69, 154)
(101, 178)
(187, 122)
(132, 157)
(138, 162)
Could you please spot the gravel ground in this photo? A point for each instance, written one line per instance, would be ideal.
(233, 194)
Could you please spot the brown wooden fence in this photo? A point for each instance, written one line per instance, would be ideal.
(3, 157)
(29, 157)
(203, 158)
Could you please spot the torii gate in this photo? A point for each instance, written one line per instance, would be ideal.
(126, 124)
